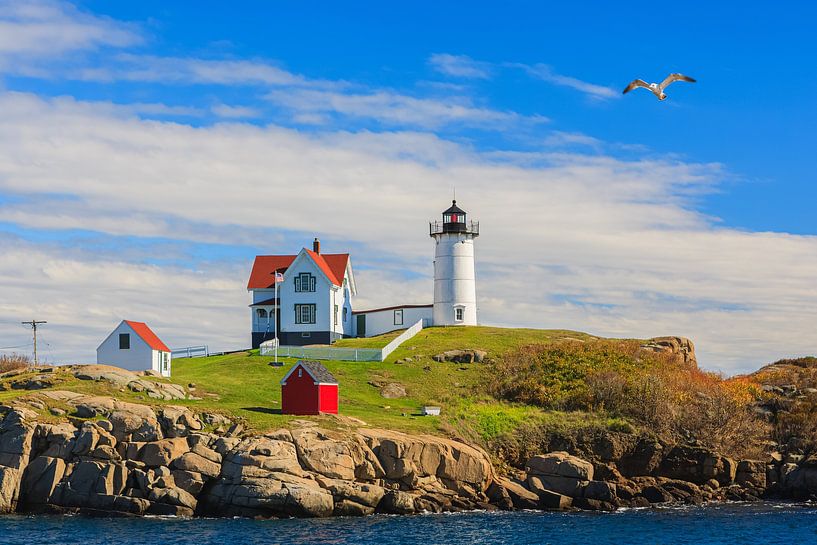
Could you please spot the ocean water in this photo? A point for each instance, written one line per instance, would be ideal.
(764, 523)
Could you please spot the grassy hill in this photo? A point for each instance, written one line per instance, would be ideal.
(249, 387)
(534, 383)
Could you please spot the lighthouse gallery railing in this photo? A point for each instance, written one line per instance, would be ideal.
(438, 227)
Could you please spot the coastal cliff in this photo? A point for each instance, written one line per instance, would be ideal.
(129, 459)
(531, 420)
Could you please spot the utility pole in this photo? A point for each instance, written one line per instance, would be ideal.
(34, 324)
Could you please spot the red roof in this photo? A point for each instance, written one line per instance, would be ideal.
(148, 335)
(265, 266)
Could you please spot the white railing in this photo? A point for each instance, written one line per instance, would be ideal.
(403, 337)
(190, 352)
(342, 354)
(324, 353)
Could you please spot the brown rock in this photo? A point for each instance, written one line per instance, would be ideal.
(398, 503)
(163, 452)
(41, 477)
(560, 464)
(521, 497)
(188, 481)
(191, 461)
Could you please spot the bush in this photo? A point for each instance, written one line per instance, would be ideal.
(797, 429)
(675, 400)
(556, 376)
(13, 361)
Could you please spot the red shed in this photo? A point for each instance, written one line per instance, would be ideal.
(309, 388)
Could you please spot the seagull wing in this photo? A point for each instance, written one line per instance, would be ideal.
(674, 77)
(636, 83)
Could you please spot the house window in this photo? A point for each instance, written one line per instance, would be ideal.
(124, 341)
(345, 314)
(398, 317)
(304, 282)
(458, 313)
(261, 313)
(305, 314)
(336, 315)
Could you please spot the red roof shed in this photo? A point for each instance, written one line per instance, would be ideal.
(309, 388)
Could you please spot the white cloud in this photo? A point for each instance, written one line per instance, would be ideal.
(235, 112)
(593, 243)
(461, 66)
(191, 70)
(84, 297)
(391, 108)
(546, 73)
(50, 28)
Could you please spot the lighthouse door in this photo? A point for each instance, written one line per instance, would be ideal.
(361, 325)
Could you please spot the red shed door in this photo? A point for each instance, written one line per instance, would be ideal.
(329, 398)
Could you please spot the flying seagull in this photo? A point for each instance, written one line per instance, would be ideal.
(658, 88)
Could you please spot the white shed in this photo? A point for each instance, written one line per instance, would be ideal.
(135, 347)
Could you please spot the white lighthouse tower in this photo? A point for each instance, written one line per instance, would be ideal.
(455, 290)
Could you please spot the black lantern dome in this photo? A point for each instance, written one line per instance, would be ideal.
(454, 221)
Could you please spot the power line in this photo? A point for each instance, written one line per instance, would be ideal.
(34, 324)
(18, 346)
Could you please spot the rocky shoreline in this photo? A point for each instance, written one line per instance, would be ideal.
(119, 458)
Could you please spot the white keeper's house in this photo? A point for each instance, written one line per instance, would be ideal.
(135, 347)
(307, 298)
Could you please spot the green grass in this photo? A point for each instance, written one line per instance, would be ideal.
(369, 342)
(246, 386)
(249, 387)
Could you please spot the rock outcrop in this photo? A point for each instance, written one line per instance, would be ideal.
(131, 459)
(461, 356)
(681, 348)
(119, 457)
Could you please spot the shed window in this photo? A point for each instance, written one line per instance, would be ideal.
(305, 282)
(305, 314)
(336, 315)
(300, 373)
(124, 341)
(398, 317)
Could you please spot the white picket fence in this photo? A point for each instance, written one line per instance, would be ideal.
(342, 353)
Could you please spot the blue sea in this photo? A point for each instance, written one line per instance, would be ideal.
(765, 523)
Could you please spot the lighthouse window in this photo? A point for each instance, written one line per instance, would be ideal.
(458, 313)
(398, 317)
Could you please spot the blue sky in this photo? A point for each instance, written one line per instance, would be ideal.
(171, 142)
(754, 110)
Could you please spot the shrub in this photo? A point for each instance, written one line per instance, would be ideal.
(797, 428)
(13, 361)
(675, 400)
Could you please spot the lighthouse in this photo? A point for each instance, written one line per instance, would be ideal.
(455, 290)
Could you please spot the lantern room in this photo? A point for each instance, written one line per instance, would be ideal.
(454, 221)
